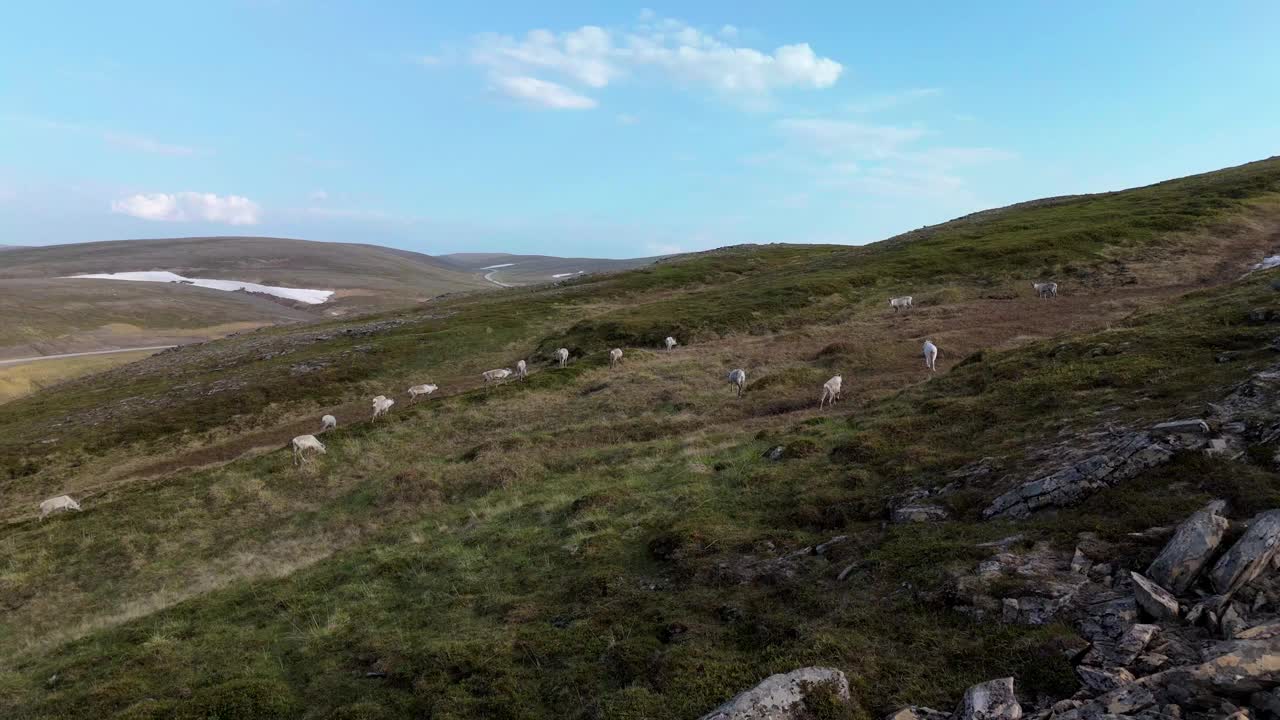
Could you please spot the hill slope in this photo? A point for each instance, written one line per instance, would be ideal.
(504, 268)
(600, 542)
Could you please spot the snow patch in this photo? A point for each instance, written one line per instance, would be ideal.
(310, 297)
(1268, 263)
(495, 267)
(564, 275)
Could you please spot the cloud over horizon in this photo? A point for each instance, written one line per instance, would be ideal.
(190, 207)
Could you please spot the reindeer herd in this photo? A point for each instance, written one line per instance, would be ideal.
(310, 444)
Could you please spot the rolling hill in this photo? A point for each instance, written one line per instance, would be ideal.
(637, 542)
(507, 269)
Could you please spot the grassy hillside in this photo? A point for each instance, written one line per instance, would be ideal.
(611, 543)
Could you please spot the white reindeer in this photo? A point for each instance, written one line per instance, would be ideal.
(615, 356)
(328, 422)
(670, 342)
(830, 391)
(492, 376)
(302, 444)
(562, 356)
(62, 502)
(417, 390)
(738, 378)
(381, 405)
(930, 355)
(901, 303)
(1045, 289)
(522, 370)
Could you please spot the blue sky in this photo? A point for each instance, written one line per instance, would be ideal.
(585, 129)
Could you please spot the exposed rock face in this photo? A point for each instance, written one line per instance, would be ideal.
(1155, 600)
(991, 700)
(1246, 415)
(781, 696)
(1121, 459)
(1187, 552)
(1250, 555)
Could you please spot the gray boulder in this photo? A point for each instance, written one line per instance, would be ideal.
(781, 696)
(1155, 600)
(991, 700)
(1187, 552)
(1250, 555)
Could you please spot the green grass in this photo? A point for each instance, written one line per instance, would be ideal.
(576, 546)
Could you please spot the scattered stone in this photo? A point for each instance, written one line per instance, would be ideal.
(775, 453)
(1002, 542)
(1251, 554)
(1194, 426)
(1193, 543)
(781, 696)
(1080, 563)
(917, 713)
(1155, 600)
(919, 513)
(823, 548)
(991, 700)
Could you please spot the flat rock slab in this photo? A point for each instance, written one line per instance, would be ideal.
(781, 696)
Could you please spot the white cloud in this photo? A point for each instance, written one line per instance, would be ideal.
(625, 119)
(189, 207)
(840, 137)
(319, 196)
(893, 100)
(595, 57)
(147, 145)
(543, 93)
(884, 160)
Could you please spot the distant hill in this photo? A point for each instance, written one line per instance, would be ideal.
(363, 275)
(10, 247)
(511, 269)
(52, 315)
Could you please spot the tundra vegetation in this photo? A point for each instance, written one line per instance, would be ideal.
(596, 544)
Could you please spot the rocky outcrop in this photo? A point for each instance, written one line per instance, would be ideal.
(1250, 555)
(1188, 551)
(1124, 457)
(991, 700)
(1205, 655)
(781, 696)
(1246, 415)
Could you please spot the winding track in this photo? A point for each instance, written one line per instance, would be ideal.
(37, 358)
